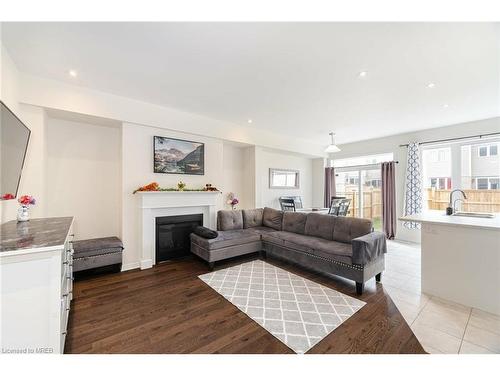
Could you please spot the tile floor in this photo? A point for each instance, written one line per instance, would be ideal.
(441, 326)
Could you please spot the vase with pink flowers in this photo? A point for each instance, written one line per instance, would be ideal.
(23, 213)
(232, 200)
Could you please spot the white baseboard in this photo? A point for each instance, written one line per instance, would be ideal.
(130, 266)
(148, 263)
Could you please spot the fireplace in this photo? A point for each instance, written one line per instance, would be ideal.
(172, 235)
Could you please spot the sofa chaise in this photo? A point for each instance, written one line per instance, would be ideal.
(337, 245)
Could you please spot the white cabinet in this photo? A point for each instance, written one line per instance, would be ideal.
(36, 291)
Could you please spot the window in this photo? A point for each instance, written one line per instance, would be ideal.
(471, 165)
(482, 183)
(283, 178)
(362, 160)
(494, 183)
(486, 183)
(359, 180)
(493, 150)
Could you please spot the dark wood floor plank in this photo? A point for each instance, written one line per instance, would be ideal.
(168, 309)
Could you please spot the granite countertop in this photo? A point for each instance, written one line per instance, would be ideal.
(34, 234)
(440, 217)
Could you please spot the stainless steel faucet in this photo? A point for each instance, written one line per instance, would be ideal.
(451, 206)
(455, 202)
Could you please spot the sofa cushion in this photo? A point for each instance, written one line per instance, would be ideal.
(272, 218)
(294, 222)
(296, 241)
(229, 220)
(272, 236)
(339, 251)
(252, 218)
(348, 228)
(205, 232)
(226, 238)
(320, 225)
(261, 230)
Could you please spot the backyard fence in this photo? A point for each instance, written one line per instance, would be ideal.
(434, 199)
(477, 200)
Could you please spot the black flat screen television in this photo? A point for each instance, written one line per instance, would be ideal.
(14, 139)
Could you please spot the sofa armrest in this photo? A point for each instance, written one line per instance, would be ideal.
(369, 247)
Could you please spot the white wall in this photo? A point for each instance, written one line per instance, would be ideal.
(137, 170)
(318, 177)
(235, 174)
(32, 177)
(391, 144)
(83, 177)
(265, 159)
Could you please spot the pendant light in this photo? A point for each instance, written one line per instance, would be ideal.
(332, 147)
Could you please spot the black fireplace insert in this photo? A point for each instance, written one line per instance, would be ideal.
(172, 235)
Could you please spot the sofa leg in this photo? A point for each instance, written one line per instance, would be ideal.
(359, 288)
(211, 266)
(117, 268)
(262, 254)
(378, 277)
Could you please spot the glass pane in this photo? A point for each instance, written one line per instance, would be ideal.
(436, 167)
(480, 177)
(362, 160)
(346, 184)
(372, 196)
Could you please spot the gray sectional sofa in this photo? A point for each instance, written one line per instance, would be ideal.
(337, 245)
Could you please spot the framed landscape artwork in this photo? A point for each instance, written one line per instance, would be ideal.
(178, 156)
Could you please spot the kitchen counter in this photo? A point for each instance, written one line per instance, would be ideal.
(440, 217)
(33, 236)
(460, 258)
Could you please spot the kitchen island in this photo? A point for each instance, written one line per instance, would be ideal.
(460, 258)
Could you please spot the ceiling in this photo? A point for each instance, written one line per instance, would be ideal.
(299, 79)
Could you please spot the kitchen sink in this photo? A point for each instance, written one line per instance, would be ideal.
(482, 215)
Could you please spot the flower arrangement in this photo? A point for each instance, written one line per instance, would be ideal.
(23, 213)
(232, 200)
(26, 200)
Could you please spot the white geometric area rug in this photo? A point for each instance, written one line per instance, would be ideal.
(297, 311)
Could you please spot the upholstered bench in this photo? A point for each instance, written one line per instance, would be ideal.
(96, 253)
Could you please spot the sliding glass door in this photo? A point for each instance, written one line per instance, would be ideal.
(362, 185)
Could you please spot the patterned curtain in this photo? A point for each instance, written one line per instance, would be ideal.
(413, 185)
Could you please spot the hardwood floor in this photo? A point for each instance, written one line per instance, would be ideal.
(167, 309)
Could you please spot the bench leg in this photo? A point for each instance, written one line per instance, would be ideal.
(211, 266)
(359, 288)
(378, 277)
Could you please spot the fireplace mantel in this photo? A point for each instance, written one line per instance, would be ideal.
(153, 204)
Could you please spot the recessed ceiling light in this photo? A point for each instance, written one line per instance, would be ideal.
(431, 85)
(249, 121)
(362, 74)
(72, 73)
(445, 105)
